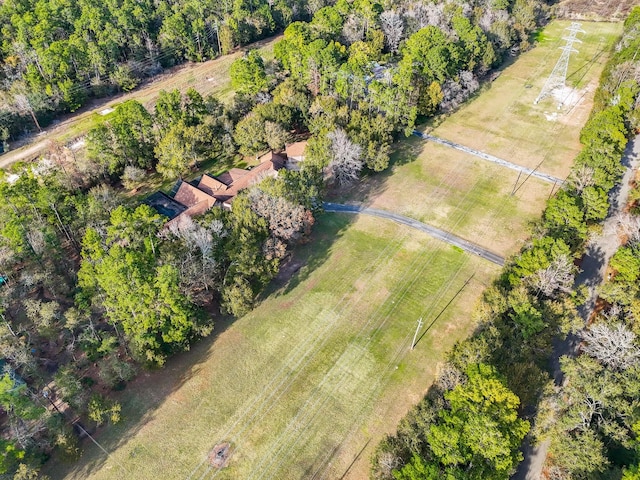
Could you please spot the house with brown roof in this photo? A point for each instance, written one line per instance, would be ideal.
(295, 154)
(210, 191)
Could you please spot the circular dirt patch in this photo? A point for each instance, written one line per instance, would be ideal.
(219, 456)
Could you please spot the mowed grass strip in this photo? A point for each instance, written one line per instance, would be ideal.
(503, 120)
(458, 193)
(300, 380)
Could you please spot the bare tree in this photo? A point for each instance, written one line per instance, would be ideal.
(197, 271)
(581, 177)
(628, 226)
(314, 5)
(273, 247)
(105, 196)
(193, 235)
(387, 462)
(457, 92)
(498, 23)
(23, 105)
(276, 135)
(353, 29)
(612, 345)
(449, 377)
(132, 177)
(393, 28)
(287, 221)
(424, 14)
(346, 163)
(557, 277)
(37, 240)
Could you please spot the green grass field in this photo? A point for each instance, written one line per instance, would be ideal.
(504, 121)
(456, 192)
(318, 369)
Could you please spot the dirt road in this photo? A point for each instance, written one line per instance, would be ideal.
(594, 265)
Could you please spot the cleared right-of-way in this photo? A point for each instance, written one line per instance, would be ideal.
(485, 156)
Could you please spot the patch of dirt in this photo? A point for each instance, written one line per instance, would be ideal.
(612, 10)
(288, 269)
(220, 455)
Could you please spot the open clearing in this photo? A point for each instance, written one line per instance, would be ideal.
(319, 369)
(461, 193)
(457, 192)
(211, 77)
(306, 384)
(503, 120)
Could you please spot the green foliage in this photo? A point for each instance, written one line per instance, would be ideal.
(417, 469)
(26, 472)
(126, 139)
(478, 53)
(155, 315)
(526, 316)
(481, 431)
(582, 453)
(10, 456)
(606, 131)
(565, 220)
(113, 372)
(540, 255)
(249, 269)
(431, 54)
(102, 410)
(177, 151)
(327, 22)
(626, 263)
(79, 49)
(123, 78)
(16, 400)
(248, 74)
(70, 387)
(250, 135)
(595, 203)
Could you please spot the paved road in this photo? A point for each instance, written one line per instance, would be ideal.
(410, 222)
(594, 265)
(491, 158)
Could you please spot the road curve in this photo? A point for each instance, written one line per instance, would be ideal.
(491, 158)
(410, 222)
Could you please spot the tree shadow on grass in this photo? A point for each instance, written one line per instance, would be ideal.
(308, 257)
(140, 400)
(330, 226)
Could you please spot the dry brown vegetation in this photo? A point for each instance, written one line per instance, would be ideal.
(611, 10)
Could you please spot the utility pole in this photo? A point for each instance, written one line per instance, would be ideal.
(415, 335)
(553, 189)
(559, 74)
(527, 178)
(218, 38)
(515, 186)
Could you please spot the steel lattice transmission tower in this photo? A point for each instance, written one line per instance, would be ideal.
(559, 74)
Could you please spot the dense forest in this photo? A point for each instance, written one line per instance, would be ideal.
(57, 54)
(95, 288)
(468, 425)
